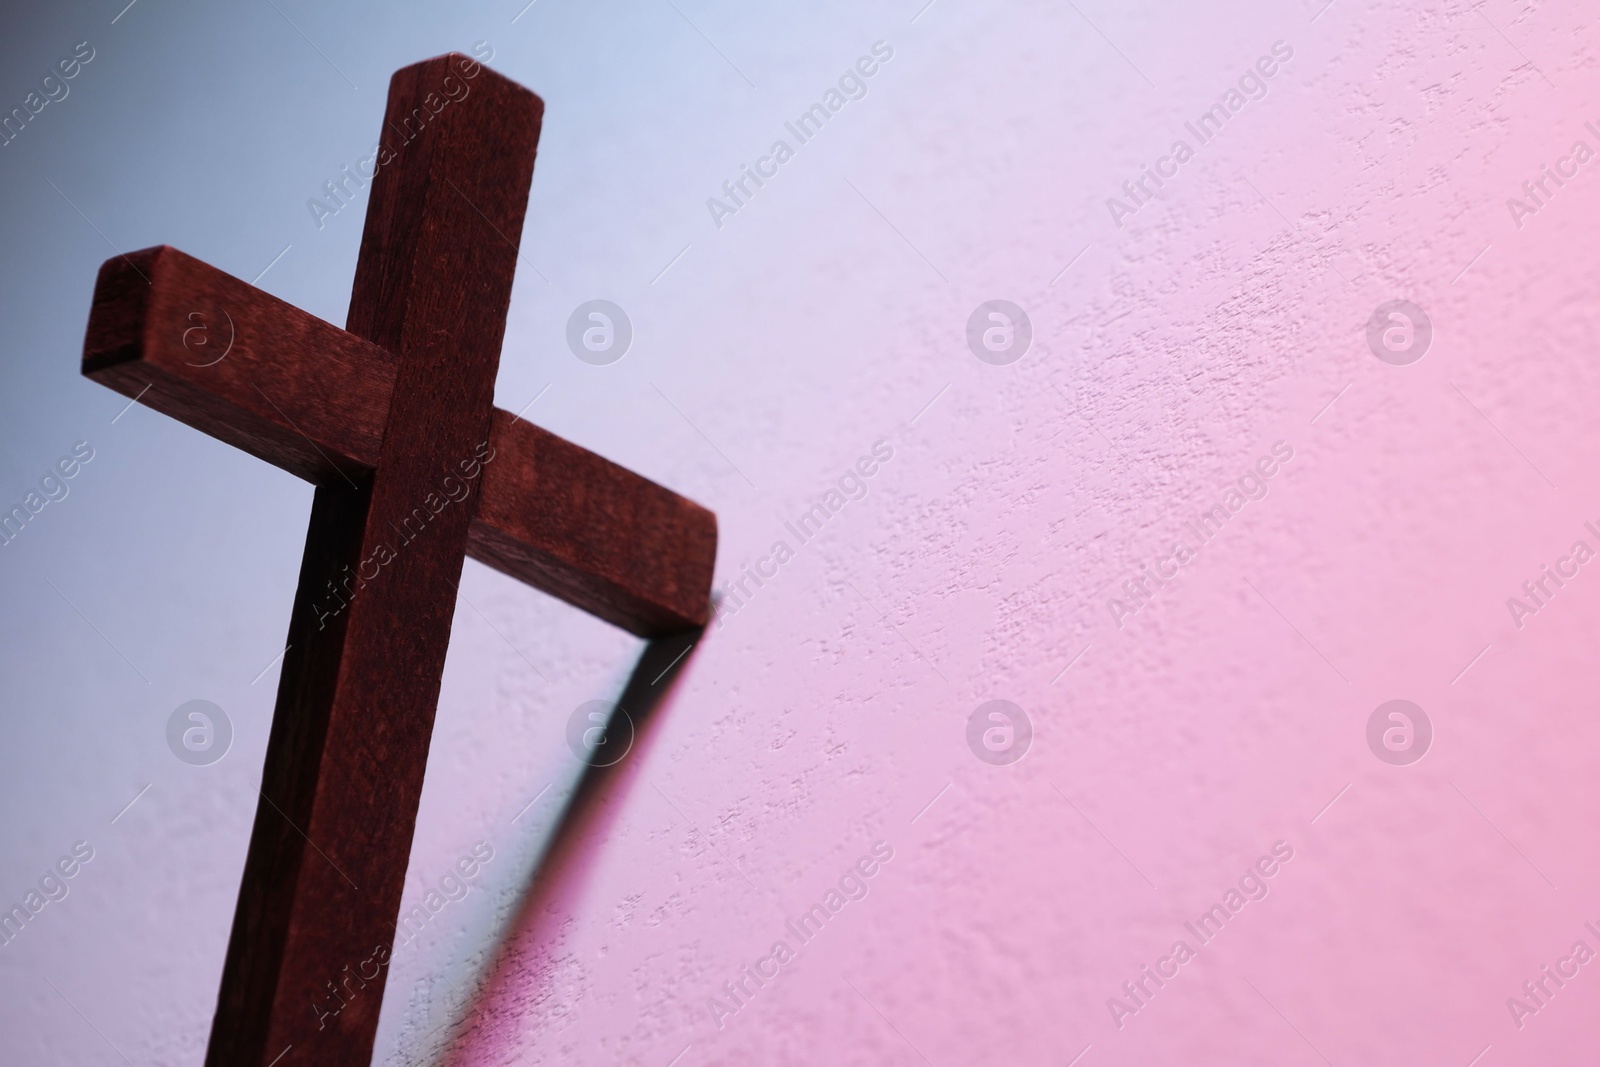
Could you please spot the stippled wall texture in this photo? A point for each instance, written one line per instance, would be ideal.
(1155, 453)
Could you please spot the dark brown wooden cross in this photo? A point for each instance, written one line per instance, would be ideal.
(394, 421)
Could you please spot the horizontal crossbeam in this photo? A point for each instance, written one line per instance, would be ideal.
(238, 364)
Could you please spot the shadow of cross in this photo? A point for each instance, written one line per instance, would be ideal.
(394, 421)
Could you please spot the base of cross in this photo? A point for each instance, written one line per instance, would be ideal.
(393, 420)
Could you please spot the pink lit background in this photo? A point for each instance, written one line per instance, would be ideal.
(830, 712)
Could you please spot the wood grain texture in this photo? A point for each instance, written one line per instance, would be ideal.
(594, 534)
(291, 389)
(306, 965)
(313, 399)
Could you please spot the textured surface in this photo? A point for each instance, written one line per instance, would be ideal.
(831, 709)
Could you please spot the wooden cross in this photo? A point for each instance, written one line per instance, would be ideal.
(394, 421)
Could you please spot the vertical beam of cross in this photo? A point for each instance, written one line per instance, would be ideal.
(322, 884)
